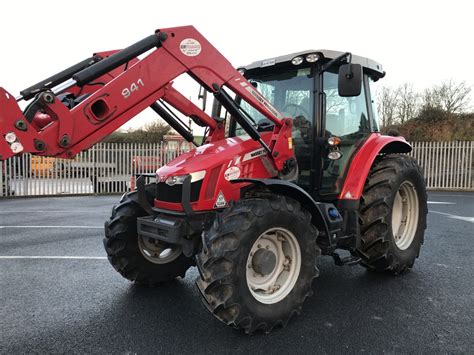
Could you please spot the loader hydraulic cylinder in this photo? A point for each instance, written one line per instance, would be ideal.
(58, 78)
(236, 112)
(172, 122)
(88, 74)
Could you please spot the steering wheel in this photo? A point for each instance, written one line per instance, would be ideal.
(296, 108)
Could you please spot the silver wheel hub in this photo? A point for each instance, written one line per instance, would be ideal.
(405, 214)
(157, 251)
(273, 265)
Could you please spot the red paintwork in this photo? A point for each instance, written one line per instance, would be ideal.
(41, 120)
(106, 109)
(187, 108)
(85, 124)
(222, 155)
(361, 164)
(155, 71)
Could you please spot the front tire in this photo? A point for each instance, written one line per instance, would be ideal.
(143, 261)
(258, 262)
(393, 215)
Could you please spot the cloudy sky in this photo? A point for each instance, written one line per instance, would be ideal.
(422, 42)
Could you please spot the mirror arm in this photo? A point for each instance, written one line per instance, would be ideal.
(347, 56)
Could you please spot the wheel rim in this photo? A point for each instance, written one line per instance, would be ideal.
(156, 251)
(405, 215)
(273, 265)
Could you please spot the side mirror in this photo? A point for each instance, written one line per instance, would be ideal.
(203, 95)
(350, 80)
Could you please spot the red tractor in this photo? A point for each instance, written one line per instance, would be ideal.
(301, 171)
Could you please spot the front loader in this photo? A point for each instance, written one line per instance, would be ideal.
(292, 166)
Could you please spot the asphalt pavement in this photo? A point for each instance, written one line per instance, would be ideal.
(81, 305)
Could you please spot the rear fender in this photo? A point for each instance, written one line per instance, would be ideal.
(363, 160)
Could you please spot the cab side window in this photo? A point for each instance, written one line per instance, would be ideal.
(344, 115)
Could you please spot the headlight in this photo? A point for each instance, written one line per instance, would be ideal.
(297, 60)
(334, 140)
(335, 155)
(179, 179)
(311, 58)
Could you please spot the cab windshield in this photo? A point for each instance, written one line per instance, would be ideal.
(289, 92)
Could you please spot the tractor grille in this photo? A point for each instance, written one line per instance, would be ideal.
(173, 193)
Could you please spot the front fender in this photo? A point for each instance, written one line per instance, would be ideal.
(363, 160)
(292, 190)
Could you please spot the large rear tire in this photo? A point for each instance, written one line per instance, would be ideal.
(393, 215)
(144, 261)
(258, 262)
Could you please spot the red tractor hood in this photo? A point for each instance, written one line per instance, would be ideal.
(208, 156)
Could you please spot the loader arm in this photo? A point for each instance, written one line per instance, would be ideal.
(119, 86)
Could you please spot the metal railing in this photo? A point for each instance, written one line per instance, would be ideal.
(446, 165)
(105, 168)
(111, 167)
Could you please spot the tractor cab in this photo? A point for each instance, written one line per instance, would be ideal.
(330, 123)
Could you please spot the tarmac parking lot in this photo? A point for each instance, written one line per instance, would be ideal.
(59, 294)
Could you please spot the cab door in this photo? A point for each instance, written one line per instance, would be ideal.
(348, 119)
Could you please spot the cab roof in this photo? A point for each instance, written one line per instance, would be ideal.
(368, 64)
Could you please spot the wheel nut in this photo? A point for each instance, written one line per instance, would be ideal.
(259, 246)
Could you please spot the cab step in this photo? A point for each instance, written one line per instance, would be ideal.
(347, 260)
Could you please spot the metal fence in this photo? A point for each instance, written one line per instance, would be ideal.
(446, 165)
(111, 167)
(105, 168)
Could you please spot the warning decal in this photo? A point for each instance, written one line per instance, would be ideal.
(220, 201)
(190, 47)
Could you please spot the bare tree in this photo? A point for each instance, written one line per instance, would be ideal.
(387, 99)
(449, 96)
(407, 103)
(334, 102)
(431, 99)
